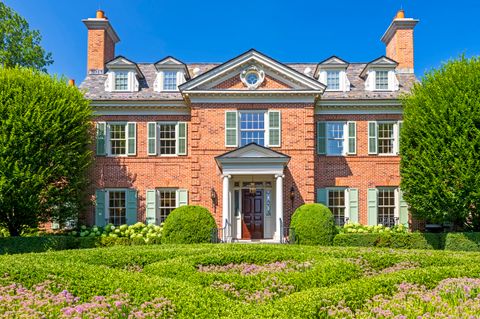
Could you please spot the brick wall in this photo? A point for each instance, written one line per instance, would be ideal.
(360, 171)
(100, 49)
(400, 48)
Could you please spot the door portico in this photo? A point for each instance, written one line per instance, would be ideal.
(252, 194)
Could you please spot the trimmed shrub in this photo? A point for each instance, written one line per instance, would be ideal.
(359, 228)
(188, 225)
(20, 245)
(356, 240)
(313, 225)
(391, 240)
(462, 241)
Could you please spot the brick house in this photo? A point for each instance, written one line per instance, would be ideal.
(251, 139)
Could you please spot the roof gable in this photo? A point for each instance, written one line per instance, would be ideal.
(253, 150)
(122, 63)
(381, 62)
(282, 73)
(331, 62)
(170, 62)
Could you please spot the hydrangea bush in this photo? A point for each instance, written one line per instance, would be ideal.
(139, 231)
(370, 229)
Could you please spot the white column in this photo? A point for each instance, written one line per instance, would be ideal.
(225, 203)
(278, 206)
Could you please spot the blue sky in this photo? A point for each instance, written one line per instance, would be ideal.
(289, 31)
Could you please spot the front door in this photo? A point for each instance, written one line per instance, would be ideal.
(252, 222)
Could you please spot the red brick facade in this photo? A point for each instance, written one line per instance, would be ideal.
(198, 171)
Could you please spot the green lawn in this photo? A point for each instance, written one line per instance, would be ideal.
(247, 281)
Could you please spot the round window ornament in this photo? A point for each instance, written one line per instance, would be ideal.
(252, 77)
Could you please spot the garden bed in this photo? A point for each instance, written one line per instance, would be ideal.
(248, 281)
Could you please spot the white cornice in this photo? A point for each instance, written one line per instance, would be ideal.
(398, 24)
(333, 107)
(102, 24)
(137, 103)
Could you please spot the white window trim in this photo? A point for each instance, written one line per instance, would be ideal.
(160, 78)
(266, 126)
(345, 137)
(347, 199)
(157, 129)
(108, 143)
(396, 191)
(176, 81)
(344, 83)
(132, 81)
(107, 201)
(396, 141)
(158, 199)
(371, 80)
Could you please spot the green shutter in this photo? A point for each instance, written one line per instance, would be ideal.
(100, 207)
(403, 213)
(231, 134)
(321, 138)
(182, 138)
(182, 197)
(101, 132)
(372, 138)
(352, 138)
(152, 138)
(274, 130)
(322, 196)
(400, 123)
(353, 205)
(372, 206)
(131, 206)
(131, 138)
(151, 207)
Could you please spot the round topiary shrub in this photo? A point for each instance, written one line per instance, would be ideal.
(313, 224)
(188, 225)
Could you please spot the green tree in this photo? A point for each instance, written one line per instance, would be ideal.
(45, 133)
(440, 145)
(20, 46)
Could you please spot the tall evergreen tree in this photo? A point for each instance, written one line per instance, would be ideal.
(44, 149)
(20, 46)
(440, 145)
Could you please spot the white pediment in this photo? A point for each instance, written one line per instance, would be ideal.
(120, 61)
(253, 150)
(293, 79)
(383, 60)
(333, 60)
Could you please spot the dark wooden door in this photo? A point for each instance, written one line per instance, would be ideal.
(252, 209)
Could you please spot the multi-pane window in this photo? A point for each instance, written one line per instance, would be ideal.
(118, 140)
(117, 207)
(386, 207)
(167, 202)
(335, 138)
(333, 80)
(381, 80)
(336, 204)
(386, 138)
(167, 139)
(121, 81)
(252, 128)
(169, 80)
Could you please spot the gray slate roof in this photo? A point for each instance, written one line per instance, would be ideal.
(94, 84)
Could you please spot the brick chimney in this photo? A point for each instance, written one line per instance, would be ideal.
(399, 41)
(101, 42)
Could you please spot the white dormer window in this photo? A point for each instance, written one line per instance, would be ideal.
(333, 80)
(121, 81)
(169, 80)
(381, 80)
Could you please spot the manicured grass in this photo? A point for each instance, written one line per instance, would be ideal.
(239, 280)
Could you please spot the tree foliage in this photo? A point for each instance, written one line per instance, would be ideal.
(440, 145)
(44, 149)
(20, 46)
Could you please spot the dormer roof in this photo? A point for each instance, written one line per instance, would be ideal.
(331, 62)
(381, 62)
(122, 63)
(170, 62)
